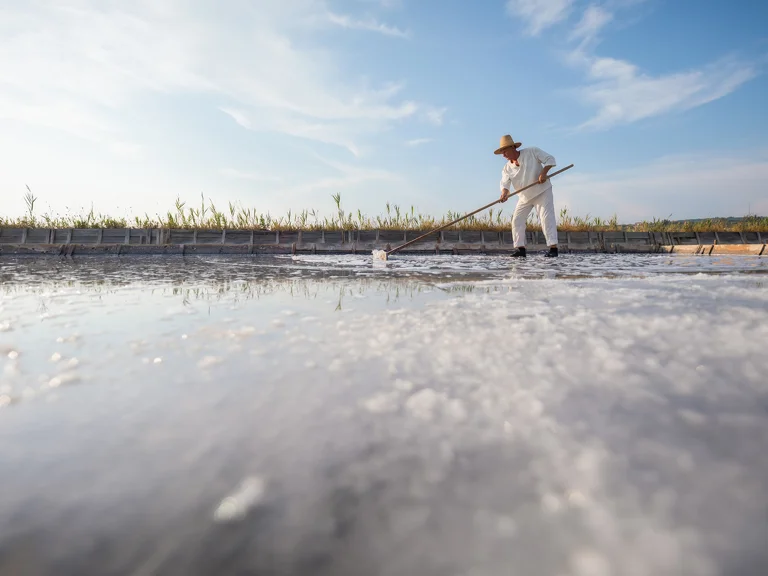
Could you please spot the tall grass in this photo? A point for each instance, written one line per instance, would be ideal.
(206, 215)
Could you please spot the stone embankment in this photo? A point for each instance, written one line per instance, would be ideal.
(78, 241)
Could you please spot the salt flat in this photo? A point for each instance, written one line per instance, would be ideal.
(592, 415)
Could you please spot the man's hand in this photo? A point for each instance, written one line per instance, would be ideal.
(543, 176)
(504, 195)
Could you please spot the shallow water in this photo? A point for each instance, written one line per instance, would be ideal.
(592, 415)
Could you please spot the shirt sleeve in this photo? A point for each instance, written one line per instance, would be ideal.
(545, 158)
(506, 180)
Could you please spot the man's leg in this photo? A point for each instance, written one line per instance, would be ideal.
(519, 217)
(545, 207)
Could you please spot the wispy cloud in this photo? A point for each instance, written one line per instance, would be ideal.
(346, 176)
(418, 142)
(237, 115)
(619, 91)
(592, 21)
(337, 132)
(372, 25)
(622, 94)
(109, 58)
(539, 15)
(387, 4)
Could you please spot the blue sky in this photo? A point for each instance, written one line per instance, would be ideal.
(277, 105)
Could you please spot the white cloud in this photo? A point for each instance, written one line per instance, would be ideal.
(345, 176)
(592, 21)
(372, 25)
(338, 133)
(386, 4)
(418, 142)
(539, 15)
(237, 115)
(622, 94)
(108, 56)
(84, 72)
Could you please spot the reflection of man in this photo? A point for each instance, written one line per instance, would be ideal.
(524, 167)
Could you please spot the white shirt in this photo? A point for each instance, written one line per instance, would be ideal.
(531, 161)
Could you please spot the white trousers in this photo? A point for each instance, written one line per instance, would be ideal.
(545, 208)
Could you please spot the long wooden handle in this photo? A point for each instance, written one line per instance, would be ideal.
(475, 212)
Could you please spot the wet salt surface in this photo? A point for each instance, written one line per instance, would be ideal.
(601, 414)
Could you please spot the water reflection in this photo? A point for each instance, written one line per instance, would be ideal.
(201, 280)
(175, 270)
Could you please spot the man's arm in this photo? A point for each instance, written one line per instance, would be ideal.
(505, 185)
(548, 162)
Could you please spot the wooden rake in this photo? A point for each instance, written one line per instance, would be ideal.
(383, 254)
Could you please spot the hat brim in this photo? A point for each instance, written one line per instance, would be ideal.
(515, 145)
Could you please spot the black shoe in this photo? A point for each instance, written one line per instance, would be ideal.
(551, 253)
(519, 252)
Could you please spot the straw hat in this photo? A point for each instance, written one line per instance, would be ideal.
(507, 142)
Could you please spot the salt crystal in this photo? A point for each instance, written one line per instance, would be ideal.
(455, 409)
(576, 498)
(235, 506)
(11, 369)
(536, 407)
(692, 416)
(403, 385)
(550, 503)
(209, 361)
(422, 403)
(589, 563)
(381, 403)
(506, 526)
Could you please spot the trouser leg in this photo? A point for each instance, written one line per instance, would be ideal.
(519, 217)
(545, 207)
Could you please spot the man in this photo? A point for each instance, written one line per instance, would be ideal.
(526, 166)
